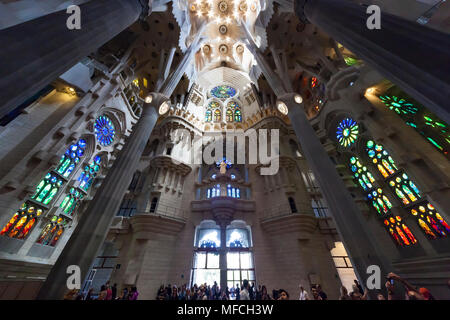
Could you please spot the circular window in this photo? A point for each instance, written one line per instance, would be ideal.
(223, 92)
(104, 130)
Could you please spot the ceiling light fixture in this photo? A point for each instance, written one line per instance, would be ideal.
(163, 108)
(281, 106)
(148, 99)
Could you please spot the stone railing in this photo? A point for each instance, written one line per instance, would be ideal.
(277, 211)
(169, 211)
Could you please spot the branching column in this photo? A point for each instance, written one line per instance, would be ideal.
(414, 57)
(36, 52)
(91, 231)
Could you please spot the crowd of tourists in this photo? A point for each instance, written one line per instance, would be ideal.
(106, 292)
(248, 291)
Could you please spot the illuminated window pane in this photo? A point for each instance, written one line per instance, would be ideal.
(213, 260)
(200, 260)
(233, 260)
(237, 238)
(208, 238)
(246, 260)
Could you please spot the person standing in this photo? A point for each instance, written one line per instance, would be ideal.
(133, 294)
(103, 293)
(108, 292)
(359, 286)
(303, 294)
(245, 295)
(322, 294)
(114, 291)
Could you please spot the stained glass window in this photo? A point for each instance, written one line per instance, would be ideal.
(71, 200)
(404, 188)
(366, 180)
(237, 115)
(47, 188)
(223, 92)
(217, 115)
(381, 158)
(208, 238)
(208, 115)
(70, 158)
(237, 238)
(379, 201)
(360, 172)
(22, 222)
(350, 61)
(399, 105)
(214, 105)
(347, 132)
(229, 115)
(89, 173)
(433, 129)
(431, 222)
(399, 231)
(233, 192)
(104, 130)
(213, 192)
(52, 232)
(233, 105)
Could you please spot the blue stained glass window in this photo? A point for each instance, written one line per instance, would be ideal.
(70, 158)
(223, 92)
(89, 173)
(104, 130)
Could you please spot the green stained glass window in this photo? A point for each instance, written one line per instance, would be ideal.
(237, 116)
(47, 188)
(399, 105)
(71, 200)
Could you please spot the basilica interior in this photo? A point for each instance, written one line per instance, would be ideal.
(93, 174)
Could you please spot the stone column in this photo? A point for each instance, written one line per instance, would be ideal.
(40, 50)
(354, 233)
(223, 255)
(422, 72)
(92, 229)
